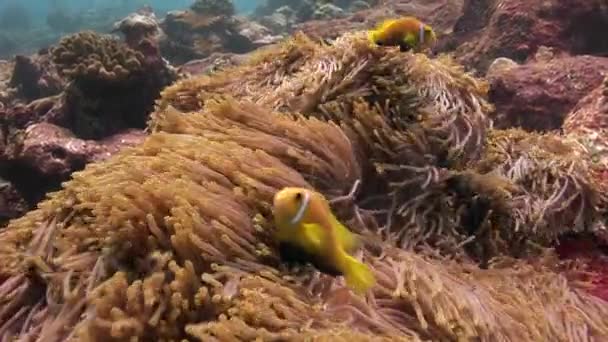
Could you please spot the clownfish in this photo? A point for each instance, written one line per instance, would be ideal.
(408, 33)
(307, 231)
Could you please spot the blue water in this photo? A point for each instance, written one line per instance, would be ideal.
(25, 28)
(38, 9)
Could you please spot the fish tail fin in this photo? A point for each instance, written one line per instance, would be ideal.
(358, 276)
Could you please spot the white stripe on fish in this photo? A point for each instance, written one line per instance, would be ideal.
(302, 210)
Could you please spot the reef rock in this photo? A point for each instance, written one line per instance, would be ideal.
(516, 28)
(54, 152)
(12, 203)
(500, 66)
(538, 95)
(211, 64)
(35, 76)
(78, 102)
(6, 69)
(138, 26)
(588, 122)
(441, 14)
(328, 11)
(210, 27)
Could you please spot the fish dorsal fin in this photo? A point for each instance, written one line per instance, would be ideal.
(385, 23)
(302, 209)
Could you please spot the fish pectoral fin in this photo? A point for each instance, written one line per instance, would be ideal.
(408, 42)
(358, 276)
(313, 235)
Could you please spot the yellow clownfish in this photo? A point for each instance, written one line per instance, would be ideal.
(307, 231)
(407, 33)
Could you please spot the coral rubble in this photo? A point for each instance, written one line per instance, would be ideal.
(168, 240)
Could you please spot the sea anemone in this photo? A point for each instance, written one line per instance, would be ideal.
(170, 239)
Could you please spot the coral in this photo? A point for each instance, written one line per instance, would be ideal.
(88, 56)
(538, 95)
(169, 240)
(114, 85)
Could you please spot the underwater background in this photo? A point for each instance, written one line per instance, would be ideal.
(315, 170)
(30, 24)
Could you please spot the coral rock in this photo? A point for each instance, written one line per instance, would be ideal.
(588, 123)
(55, 152)
(441, 14)
(258, 34)
(328, 11)
(6, 94)
(196, 35)
(137, 26)
(12, 204)
(539, 95)
(517, 28)
(500, 66)
(211, 64)
(35, 77)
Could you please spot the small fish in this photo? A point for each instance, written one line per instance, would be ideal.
(307, 231)
(408, 33)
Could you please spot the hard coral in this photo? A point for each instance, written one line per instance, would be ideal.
(93, 57)
(107, 73)
(170, 239)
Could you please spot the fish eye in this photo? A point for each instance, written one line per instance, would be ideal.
(298, 196)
